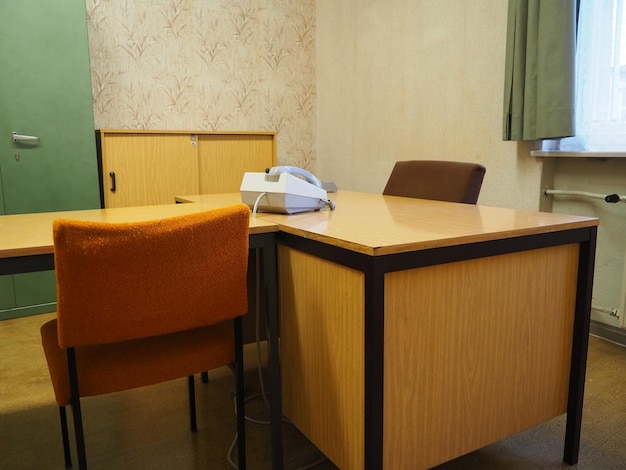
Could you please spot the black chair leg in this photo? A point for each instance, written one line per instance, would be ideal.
(192, 403)
(76, 412)
(66, 438)
(240, 398)
(204, 376)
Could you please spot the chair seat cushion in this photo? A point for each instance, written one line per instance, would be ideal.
(130, 364)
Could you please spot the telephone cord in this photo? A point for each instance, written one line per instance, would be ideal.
(263, 393)
(256, 203)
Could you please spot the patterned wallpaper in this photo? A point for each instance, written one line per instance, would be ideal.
(207, 65)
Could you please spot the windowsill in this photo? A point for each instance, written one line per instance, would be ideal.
(563, 153)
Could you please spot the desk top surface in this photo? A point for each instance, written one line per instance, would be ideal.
(377, 225)
(31, 234)
(372, 224)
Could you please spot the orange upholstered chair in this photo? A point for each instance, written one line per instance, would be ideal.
(436, 179)
(144, 303)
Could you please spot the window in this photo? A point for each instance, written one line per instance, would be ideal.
(600, 78)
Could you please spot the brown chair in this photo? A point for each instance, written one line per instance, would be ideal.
(436, 179)
(144, 303)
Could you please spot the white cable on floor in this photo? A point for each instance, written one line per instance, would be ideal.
(263, 393)
(265, 423)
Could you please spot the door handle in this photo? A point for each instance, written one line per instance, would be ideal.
(113, 185)
(20, 138)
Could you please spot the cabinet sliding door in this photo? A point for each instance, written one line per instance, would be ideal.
(223, 159)
(145, 169)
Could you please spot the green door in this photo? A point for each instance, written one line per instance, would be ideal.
(46, 94)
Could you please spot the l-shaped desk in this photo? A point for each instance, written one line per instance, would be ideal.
(413, 331)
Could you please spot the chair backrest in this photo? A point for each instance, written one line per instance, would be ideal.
(436, 179)
(122, 281)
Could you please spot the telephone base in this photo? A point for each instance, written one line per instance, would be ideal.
(283, 194)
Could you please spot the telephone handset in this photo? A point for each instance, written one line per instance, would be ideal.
(296, 171)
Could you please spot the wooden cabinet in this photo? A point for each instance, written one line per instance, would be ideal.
(152, 167)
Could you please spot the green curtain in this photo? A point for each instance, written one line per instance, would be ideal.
(540, 70)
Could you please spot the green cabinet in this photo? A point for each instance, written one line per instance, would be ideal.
(45, 93)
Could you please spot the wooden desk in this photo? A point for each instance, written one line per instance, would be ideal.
(26, 245)
(413, 331)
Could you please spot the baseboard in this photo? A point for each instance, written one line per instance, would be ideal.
(18, 312)
(608, 332)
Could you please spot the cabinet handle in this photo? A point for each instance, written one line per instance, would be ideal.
(113, 186)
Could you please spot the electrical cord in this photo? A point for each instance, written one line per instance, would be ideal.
(257, 327)
(329, 203)
(263, 393)
(231, 449)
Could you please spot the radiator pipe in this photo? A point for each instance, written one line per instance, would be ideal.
(611, 198)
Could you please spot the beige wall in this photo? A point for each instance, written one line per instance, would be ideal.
(390, 80)
(207, 65)
(405, 79)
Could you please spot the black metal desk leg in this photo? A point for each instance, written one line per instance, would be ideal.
(271, 286)
(579, 349)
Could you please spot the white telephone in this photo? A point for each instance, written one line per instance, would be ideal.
(284, 189)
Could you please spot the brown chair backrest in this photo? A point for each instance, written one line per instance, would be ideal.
(122, 281)
(436, 179)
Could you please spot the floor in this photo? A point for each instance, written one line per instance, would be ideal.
(148, 428)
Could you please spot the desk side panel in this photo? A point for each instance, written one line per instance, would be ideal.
(475, 351)
(322, 353)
